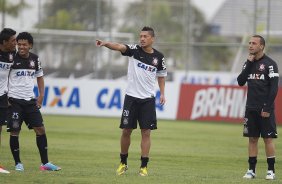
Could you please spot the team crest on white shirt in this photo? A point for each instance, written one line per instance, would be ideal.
(155, 61)
(261, 67)
(31, 64)
(11, 57)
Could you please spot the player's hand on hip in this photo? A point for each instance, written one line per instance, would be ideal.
(39, 101)
(265, 114)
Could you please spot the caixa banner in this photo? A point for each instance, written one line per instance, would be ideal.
(103, 98)
(217, 103)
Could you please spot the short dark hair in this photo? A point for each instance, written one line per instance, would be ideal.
(262, 40)
(6, 34)
(25, 36)
(150, 30)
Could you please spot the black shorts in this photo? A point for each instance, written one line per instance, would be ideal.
(3, 109)
(22, 110)
(257, 126)
(141, 110)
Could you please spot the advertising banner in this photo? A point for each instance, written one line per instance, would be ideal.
(98, 98)
(216, 103)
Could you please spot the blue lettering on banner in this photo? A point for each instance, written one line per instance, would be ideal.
(201, 80)
(158, 105)
(73, 99)
(107, 100)
(58, 97)
(113, 101)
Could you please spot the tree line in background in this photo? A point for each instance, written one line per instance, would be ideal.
(177, 28)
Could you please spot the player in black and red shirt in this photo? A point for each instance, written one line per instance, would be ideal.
(261, 74)
(24, 106)
(7, 53)
(145, 65)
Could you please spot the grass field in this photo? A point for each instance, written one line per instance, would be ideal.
(87, 149)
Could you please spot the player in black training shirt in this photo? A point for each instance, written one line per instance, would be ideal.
(146, 64)
(261, 74)
(24, 106)
(7, 53)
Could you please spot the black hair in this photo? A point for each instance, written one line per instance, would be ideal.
(150, 30)
(25, 36)
(6, 34)
(262, 40)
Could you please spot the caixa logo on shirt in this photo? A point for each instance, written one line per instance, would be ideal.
(25, 73)
(5, 66)
(146, 67)
(256, 76)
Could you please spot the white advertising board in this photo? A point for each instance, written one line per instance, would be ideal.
(98, 98)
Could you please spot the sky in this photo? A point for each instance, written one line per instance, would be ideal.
(208, 7)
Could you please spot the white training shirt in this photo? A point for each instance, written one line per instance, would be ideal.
(22, 75)
(6, 61)
(143, 69)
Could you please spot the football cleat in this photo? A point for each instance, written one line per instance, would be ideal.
(49, 167)
(2, 170)
(121, 169)
(19, 167)
(270, 175)
(143, 171)
(249, 174)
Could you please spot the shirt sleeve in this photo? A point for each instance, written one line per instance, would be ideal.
(161, 71)
(274, 79)
(130, 50)
(38, 70)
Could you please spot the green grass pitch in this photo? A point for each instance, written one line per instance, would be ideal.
(87, 149)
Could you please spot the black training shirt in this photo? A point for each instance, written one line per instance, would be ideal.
(262, 76)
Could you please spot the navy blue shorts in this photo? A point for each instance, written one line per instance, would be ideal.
(141, 110)
(22, 110)
(257, 126)
(3, 109)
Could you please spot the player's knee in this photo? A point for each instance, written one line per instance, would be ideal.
(253, 140)
(39, 130)
(126, 132)
(267, 140)
(145, 132)
(15, 133)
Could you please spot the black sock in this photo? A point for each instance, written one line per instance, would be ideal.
(41, 141)
(15, 148)
(144, 161)
(123, 158)
(271, 162)
(252, 163)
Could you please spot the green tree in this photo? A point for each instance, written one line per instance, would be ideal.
(76, 15)
(167, 18)
(170, 19)
(216, 57)
(12, 9)
(61, 20)
(83, 15)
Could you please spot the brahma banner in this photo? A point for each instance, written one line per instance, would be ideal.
(216, 103)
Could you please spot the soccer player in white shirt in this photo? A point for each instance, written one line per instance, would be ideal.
(146, 64)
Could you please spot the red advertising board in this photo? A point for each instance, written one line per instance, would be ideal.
(216, 103)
